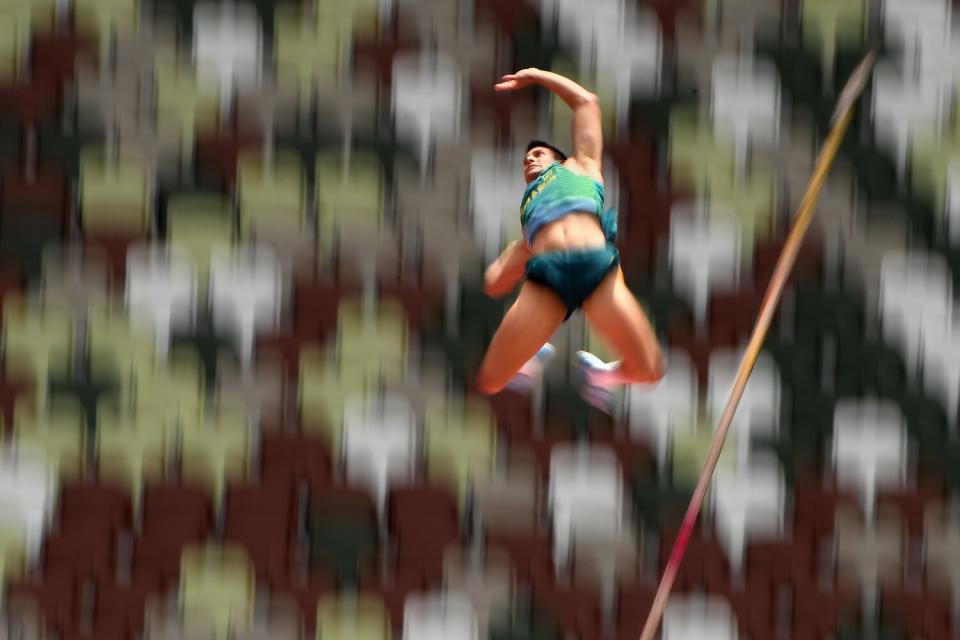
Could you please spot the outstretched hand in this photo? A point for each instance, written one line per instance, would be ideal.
(518, 80)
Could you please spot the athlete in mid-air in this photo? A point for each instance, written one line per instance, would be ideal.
(567, 260)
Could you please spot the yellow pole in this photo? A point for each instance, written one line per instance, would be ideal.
(840, 121)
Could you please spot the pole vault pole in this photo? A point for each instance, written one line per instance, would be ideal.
(840, 121)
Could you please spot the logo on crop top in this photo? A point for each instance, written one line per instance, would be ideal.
(544, 181)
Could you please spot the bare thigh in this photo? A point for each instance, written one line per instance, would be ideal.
(615, 314)
(535, 316)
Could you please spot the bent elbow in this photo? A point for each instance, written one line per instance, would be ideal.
(590, 99)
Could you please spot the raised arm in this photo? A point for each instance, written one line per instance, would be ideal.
(587, 123)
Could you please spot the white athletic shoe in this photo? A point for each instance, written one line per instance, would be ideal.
(596, 395)
(532, 371)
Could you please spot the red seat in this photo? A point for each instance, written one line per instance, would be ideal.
(424, 522)
(56, 594)
(306, 592)
(260, 519)
(634, 601)
(576, 609)
(55, 55)
(667, 13)
(514, 414)
(767, 253)
(528, 553)
(88, 504)
(173, 516)
(817, 610)
(379, 53)
(704, 565)
(925, 613)
(779, 561)
(40, 195)
(814, 510)
(32, 100)
(912, 504)
(294, 457)
(509, 16)
(218, 154)
(121, 607)
(84, 553)
(422, 300)
(114, 245)
(315, 304)
(499, 107)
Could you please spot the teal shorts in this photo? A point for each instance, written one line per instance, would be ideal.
(573, 275)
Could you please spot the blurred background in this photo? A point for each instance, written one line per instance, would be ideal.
(242, 247)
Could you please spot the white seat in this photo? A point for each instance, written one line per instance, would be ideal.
(704, 255)
(628, 57)
(655, 410)
(748, 503)
(952, 204)
(27, 495)
(227, 46)
(941, 367)
(427, 100)
(441, 616)
(914, 24)
(496, 187)
(698, 618)
(577, 22)
(916, 296)
(904, 106)
(585, 484)
(246, 293)
(869, 448)
(745, 102)
(379, 442)
(759, 409)
(160, 291)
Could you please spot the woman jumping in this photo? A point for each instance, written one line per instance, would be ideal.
(568, 260)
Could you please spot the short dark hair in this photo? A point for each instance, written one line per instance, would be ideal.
(541, 143)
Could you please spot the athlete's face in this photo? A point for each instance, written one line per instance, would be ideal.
(536, 160)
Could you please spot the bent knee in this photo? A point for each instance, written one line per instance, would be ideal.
(487, 385)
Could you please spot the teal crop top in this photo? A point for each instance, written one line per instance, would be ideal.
(555, 193)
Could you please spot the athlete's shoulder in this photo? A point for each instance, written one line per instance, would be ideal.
(587, 169)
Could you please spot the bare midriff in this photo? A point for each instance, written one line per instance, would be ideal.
(579, 230)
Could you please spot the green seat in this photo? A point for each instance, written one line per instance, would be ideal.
(24, 239)
(106, 17)
(198, 222)
(350, 200)
(272, 195)
(206, 342)
(183, 106)
(694, 151)
(308, 55)
(829, 25)
(930, 162)
(343, 538)
(115, 193)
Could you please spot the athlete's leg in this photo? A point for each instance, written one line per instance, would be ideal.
(535, 316)
(616, 315)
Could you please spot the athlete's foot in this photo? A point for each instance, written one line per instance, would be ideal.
(532, 371)
(593, 392)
